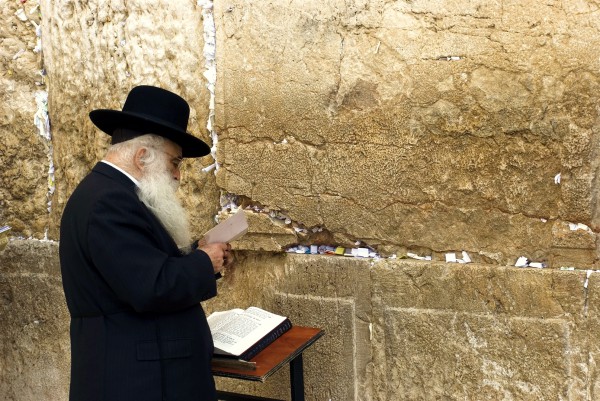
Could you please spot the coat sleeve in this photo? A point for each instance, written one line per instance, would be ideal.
(128, 253)
(194, 246)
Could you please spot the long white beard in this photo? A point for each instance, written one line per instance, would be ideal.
(157, 190)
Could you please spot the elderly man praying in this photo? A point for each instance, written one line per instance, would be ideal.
(133, 278)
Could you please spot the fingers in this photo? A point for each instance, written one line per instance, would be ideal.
(228, 261)
(220, 255)
(228, 256)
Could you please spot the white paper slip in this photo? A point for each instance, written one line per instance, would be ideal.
(451, 258)
(229, 230)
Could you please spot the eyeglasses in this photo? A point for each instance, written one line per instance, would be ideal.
(176, 161)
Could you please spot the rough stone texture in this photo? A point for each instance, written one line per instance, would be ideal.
(95, 53)
(23, 152)
(592, 385)
(351, 116)
(421, 331)
(34, 324)
(482, 330)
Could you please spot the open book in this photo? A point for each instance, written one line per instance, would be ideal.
(228, 230)
(242, 334)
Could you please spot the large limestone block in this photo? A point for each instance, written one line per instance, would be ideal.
(34, 324)
(95, 53)
(436, 354)
(414, 124)
(330, 364)
(334, 294)
(498, 333)
(24, 153)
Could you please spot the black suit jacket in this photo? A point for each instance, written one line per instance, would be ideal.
(138, 331)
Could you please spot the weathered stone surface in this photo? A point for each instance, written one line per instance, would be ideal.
(435, 354)
(515, 291)
(355, 116)
(591, 349)
(421, 330)
(319, 293)
(34, 324)
(446, 332)
(23, 152)
(95, 53)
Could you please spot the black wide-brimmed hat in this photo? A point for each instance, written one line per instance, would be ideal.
(151, 110)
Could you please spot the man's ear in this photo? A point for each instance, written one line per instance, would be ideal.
(137, 159)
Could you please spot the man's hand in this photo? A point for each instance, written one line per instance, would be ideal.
(219, 254)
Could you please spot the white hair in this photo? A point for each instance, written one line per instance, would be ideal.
(125, 151)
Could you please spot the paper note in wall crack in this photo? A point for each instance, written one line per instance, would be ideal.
(228, 230)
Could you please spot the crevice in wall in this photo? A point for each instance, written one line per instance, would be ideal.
(318, 240)
(311, 240)
(42, 122)
(41, 118)
(586, 291)
(209, 51)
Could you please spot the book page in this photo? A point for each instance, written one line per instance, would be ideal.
(234, 332)
(228, 230)
(219, 319)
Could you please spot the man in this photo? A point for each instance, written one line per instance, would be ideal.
(132, 282)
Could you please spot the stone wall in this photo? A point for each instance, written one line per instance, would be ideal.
(95, 52)
(34, 323)
(24, 147)
(419, 127)
(395, 329)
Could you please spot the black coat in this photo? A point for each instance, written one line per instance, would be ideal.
(138, 331)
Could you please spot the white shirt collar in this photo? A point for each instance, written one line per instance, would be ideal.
(136, 182)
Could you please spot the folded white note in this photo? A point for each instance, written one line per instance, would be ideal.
(229, 230)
